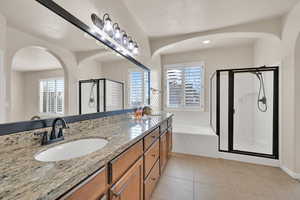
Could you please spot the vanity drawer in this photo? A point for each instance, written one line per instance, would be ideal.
(151, 156)
(151, 181)
(163, 126)
(123, 162)
(150, 138)
(93, 188)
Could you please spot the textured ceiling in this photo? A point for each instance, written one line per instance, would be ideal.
(172, 17)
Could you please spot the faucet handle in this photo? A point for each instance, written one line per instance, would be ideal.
(60, 133)
(44, 135)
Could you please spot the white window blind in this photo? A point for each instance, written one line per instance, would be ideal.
(184, 86)
(52, 96)
(138, 88)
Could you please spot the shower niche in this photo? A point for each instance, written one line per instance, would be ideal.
(100, 95)
(244, 110)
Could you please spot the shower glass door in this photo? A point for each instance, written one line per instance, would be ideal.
(253, 107)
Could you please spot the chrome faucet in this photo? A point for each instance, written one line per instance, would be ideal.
(54, 136)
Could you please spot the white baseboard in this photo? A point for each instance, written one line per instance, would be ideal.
(249, 159)
(290, 172)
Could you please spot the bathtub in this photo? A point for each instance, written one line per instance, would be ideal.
(195, 140)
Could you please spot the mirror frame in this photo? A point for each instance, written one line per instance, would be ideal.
(22, 126)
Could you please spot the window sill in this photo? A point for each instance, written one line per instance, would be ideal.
(185, 109)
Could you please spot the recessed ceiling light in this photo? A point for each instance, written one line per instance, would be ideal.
(206, 42)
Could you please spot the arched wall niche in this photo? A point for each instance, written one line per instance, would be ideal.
(30, 65)
(17, 40)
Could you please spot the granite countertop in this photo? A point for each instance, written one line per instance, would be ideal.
(22, 177)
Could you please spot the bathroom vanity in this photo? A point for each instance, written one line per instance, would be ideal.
(134, 173)
(128, 167)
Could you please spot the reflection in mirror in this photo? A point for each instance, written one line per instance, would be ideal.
(46, 60)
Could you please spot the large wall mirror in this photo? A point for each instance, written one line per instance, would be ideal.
(53, 68)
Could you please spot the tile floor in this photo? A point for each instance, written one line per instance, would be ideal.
(200, 178)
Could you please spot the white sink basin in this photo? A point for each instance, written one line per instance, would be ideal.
(71, 150)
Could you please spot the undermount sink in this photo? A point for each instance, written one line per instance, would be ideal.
(71, 150)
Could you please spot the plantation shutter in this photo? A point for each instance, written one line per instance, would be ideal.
(52, 96)
(184, 87)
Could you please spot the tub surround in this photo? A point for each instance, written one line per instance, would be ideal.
(22, 177)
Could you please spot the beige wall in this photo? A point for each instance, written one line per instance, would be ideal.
(2, 68)
(214, 59)
(290, 154)
(297, 109)
(18, 96)
(89, 69)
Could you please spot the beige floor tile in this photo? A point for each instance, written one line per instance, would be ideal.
(180, 167)
(213, 192)
(170, 188)
(200, 178)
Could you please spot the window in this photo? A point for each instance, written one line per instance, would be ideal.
(138, 88)
(52, 96)
(184, 86)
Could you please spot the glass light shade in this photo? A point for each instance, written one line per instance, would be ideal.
(125, 39)
(130, 45)
(108, 27)
(117, 33)
(135, 49)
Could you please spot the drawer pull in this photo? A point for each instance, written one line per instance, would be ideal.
(153, 136)
(153, 179)
(153, 155)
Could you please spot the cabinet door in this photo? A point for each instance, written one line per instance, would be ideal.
(130, 186)
(170, 140)
(163, 151)
(94, 188)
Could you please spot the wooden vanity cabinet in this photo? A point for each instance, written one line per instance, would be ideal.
(151, 138)
(132, 175)
(119, 165)
(151, 181)
(130, 186)
(163, 151)
(94, 188)
(169, 140)
(151, 156)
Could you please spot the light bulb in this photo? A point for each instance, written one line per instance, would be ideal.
(107, 23)
(117, 31)
(130, 44)
(125, 39)
(206, 42)
(97, 21)
(135, 49)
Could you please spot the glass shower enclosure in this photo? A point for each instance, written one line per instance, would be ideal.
(244, 110)
(100, 95)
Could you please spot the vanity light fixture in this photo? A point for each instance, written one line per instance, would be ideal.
(206, 42)
(106, 29)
